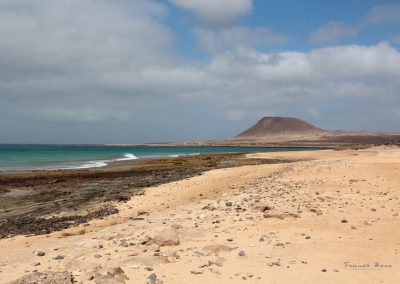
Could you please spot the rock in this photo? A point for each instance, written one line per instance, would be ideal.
(59, 257)
(41, 253)
(241, 253)
(61, 277)
(323, 270)
(344, 221)
(152, 278)
(69, 234)
(280, 215)
(116, 271)
(196, 272)
(148, 260)
(266, 208)
(307, 237)
(167, 237)
(229, 204)
(220, 261)
(217, 248)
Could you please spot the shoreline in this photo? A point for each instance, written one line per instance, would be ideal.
(106, 162)
(297, 222)
(41, 202)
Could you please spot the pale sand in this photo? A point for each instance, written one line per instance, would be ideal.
(311, 197)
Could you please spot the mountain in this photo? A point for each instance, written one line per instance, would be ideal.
(280, 126)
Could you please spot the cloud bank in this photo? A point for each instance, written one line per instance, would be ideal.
(108, 72)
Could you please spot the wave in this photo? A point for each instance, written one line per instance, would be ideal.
(180, 155)
(127, 157)
(95, 164)
(87, 165)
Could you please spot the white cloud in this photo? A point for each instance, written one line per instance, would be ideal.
(94, 71)
(216, 12)
(332, 31)
(395, 39)
(230, 38)
(382, 14)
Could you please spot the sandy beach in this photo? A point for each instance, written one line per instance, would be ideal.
(330, 217)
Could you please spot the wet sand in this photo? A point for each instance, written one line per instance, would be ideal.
(330, 217)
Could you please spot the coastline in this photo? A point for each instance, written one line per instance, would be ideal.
(40, 202)
(265, 223)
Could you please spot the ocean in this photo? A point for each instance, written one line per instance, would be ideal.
(56, 157)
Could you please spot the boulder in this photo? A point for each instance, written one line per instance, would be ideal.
(167, 237)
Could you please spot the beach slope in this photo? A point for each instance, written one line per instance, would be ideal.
(331, 217)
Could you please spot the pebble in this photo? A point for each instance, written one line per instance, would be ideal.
(41, 253)
(241, 253)
(152, 278)
(344, 221)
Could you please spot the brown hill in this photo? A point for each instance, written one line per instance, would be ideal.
(277, 126)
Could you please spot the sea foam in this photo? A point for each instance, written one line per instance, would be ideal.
(128, 156)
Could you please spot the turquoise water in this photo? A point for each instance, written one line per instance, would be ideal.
(53, 157)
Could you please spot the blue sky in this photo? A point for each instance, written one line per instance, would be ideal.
(297, 19)
(118, 71)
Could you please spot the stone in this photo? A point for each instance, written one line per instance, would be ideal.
(266, 208)
(217, 248)
(242, 253)
(60, 277)
(41, 253)
(167, 237)
(152, 278)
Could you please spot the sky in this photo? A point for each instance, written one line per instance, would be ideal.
(137, 71)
